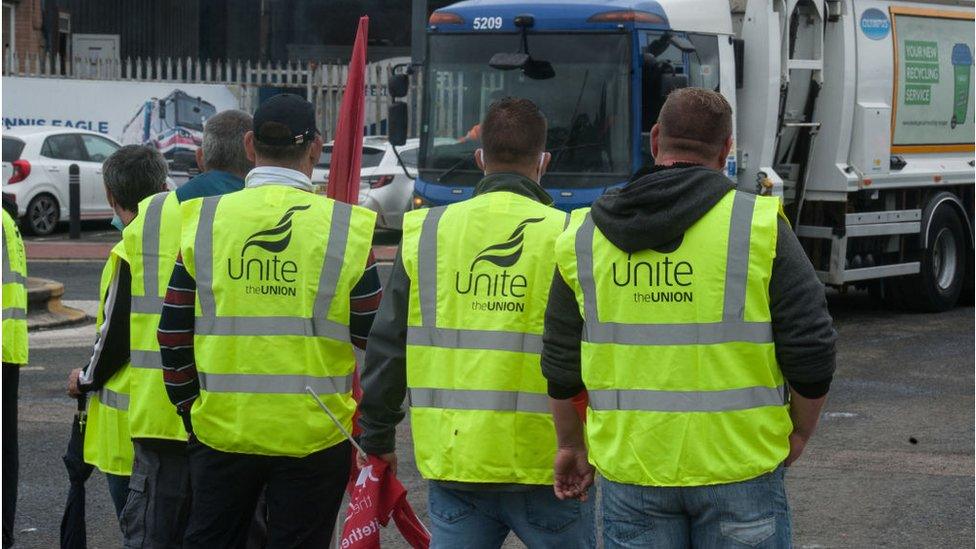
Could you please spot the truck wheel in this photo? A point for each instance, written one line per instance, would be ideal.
(42, 215)
(943, 264)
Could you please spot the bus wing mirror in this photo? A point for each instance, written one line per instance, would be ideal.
(398, 85)
(508, 61)
(397, 123)
(162, 110)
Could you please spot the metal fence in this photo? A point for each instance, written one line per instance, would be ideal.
(322, 83)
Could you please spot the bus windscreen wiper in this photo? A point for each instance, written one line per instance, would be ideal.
(453, 168)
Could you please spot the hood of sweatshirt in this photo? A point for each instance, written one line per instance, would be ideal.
(654, 211)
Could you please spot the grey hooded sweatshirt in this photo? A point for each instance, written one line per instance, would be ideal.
(654, 212)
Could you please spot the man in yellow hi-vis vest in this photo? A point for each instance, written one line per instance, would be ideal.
(14, 357)
(157, 509)
(260, 307)
(131, 174)
(689, 312)
(460, 331)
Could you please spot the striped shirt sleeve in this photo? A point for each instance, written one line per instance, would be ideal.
(175, 338)
(364, 300)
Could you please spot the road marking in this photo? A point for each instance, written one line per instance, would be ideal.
(68, 338)
(832, 415)
(32, 369)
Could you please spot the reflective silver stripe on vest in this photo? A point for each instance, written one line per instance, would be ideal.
(476, 399)
(14, 313)
(679, 334)
(209, 323)
(270, 326)
(733, 327)
(110, 398)
(13, 277)
(737, 259)
(147, 304)
(427, 267)
(474, 339)
(151, 227)
(273, 383)
(203, 255)
(686, 401)
(335, 255)
(151, 360)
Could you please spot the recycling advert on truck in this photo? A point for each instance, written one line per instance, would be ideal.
(933, 97)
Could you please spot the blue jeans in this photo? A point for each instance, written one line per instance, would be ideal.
(752, 513)
(476, 519)
(118, 488)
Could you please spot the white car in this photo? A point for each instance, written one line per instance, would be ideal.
(383, 185)
(36, 160)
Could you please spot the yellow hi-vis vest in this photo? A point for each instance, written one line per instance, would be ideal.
(14, 294)
(480, 273)
(677, 350)
(152, 241)
(108, 445)
(274, 267)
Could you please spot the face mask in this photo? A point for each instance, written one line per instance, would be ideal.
(542, 158)
(117, 222)
(481, 158)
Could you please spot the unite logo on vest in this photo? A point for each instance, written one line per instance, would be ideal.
(268, 275)
(496, 291)
(656, 281)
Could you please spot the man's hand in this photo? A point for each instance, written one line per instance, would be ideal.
(805, 413)
(573, 474)
(390, 459)
(73, 390)
(797, 443)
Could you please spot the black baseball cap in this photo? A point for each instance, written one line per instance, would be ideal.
(285, 119)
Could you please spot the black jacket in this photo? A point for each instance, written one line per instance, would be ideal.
(654, 212)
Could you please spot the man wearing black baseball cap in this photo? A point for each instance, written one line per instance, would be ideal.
(274, 286)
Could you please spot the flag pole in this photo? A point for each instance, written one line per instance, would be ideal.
(335, 420)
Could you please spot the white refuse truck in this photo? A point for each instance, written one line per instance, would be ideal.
(858, 113)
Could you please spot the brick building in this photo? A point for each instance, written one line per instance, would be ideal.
(23, 27)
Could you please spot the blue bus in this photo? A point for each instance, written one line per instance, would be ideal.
(598, 70)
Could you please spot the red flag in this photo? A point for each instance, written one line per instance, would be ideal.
(375, 497)
(347, 151)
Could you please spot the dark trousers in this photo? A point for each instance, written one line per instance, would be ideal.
(303, 496)
(11, 461)
(158, 505)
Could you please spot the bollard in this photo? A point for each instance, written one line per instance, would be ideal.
(74, 202)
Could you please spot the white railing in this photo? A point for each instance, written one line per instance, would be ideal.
(322, 83)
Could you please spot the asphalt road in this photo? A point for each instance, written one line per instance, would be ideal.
(892, 464)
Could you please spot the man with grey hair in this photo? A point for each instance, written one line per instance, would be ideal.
(131, 174)
(158, 505)
(221, 157)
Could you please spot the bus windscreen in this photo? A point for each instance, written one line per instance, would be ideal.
(585, 98)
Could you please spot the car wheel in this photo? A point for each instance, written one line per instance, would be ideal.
(43, 214)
